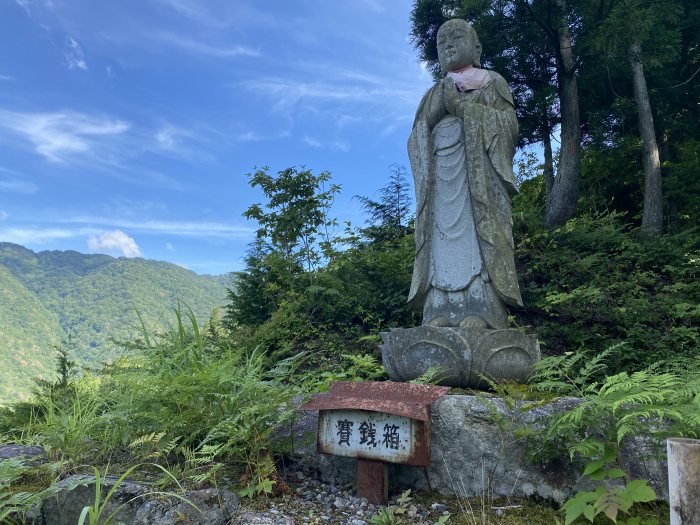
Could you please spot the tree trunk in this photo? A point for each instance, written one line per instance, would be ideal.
(561, 203)
(652, 215)
(548, 169)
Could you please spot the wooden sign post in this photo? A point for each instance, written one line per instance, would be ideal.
(377, 423)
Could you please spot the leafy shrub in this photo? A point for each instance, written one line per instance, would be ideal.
(192, 398)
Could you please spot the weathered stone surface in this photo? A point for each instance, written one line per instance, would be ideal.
(461, 151)
(33, 454)
(138, 505)
(684, 480)
(464, 355)
(263, 518)
(66, 506)
(472, 456)
(217, 508)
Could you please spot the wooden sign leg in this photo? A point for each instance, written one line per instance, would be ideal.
(373, 481)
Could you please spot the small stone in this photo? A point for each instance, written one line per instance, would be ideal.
(265, 518)
(438, 507)
(340, 503)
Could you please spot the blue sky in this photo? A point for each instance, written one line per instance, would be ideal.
(128, 127)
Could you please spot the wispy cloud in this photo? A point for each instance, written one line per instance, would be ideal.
(75, 58)
(169, 247)
(175, 228)
(24, 4)
(39, 235)
(341, 145)
(6, 78)
(114, 242)
(3, 215)
(197, 47)
(59, 135)
(254, 136)
(17, 186)
(372, 5)
(337, 145)
(185, 143)
(311, 142)
(198, 12)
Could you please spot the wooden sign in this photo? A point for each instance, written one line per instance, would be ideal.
(377, 423)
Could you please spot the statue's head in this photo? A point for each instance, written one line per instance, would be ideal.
(458, 46)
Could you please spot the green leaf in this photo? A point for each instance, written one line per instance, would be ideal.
(615, 473)
(611, 511)
(578, 505)
(590, 512)
(593, 467)
(640, 491)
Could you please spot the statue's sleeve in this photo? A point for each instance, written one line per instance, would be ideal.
(501, 133)
(420, 150)
(491, 131)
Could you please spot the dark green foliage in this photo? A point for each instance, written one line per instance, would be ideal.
(682, 187)
(593, 283)
(283, 306)
(389, 217)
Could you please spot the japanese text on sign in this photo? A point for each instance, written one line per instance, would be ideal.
(360, 433)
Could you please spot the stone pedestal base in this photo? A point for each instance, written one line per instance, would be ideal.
(463, 355)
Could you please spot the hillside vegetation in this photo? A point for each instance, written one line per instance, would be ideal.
(84, 302)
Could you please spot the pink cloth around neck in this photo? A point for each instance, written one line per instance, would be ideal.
(469, 78)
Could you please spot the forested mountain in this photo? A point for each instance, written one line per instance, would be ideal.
(83, 302)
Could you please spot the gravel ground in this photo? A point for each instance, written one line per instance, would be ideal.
(314, 503)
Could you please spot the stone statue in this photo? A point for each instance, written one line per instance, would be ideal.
(461, 151)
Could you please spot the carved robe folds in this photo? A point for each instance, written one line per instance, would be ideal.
(463, 175)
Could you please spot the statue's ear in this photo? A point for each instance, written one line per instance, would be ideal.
(477, 58)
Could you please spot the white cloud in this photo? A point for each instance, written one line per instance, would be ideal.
(74, 55)
(3, 215)
(6, 77)
(169, 247)
(114, 242)
(59, 135)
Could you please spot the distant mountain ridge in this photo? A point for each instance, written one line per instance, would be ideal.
(48, 298)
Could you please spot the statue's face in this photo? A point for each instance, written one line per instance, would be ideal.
(457, 46)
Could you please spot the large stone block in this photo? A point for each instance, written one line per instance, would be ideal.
(472, 454)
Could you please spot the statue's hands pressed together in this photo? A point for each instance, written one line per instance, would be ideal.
(454, 102)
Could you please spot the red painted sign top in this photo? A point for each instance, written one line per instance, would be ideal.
(401, 399)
